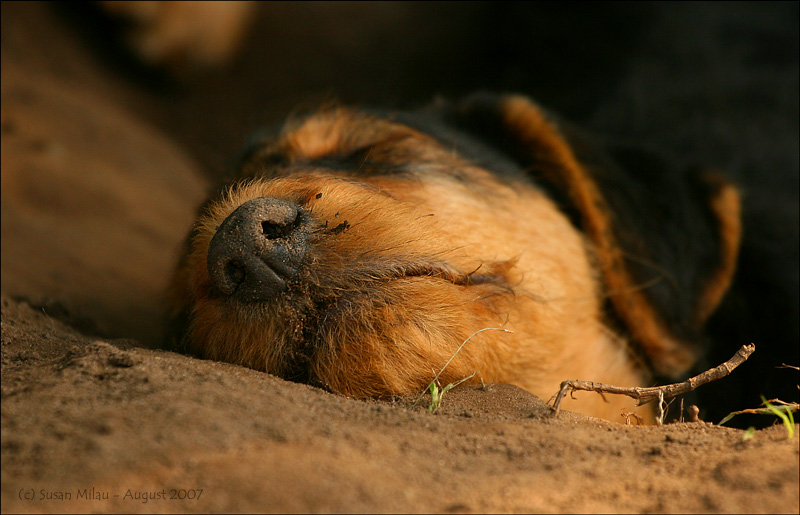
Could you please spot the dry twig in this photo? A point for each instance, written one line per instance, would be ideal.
(648, 394)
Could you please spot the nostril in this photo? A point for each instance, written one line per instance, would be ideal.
(234, 273)
(273, 231)
(279, 221)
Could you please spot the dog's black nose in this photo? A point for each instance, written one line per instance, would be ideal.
(257, 249)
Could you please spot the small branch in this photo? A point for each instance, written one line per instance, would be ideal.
(648, 394)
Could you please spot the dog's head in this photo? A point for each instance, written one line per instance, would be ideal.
(359, 250)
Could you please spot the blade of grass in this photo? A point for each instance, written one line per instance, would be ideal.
(788, 420)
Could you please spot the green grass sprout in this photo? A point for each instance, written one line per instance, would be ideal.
(776, 407)
(437, 394)
(434, 388)
(784, 414)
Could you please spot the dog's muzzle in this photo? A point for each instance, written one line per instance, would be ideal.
(258, 250)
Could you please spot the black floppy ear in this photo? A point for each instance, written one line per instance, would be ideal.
(666, 238)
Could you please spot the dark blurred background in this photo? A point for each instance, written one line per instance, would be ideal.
(712, 83)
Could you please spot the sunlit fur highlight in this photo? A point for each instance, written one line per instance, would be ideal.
(726, 206)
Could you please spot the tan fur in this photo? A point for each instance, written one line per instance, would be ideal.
(386, 331)
(727, 207)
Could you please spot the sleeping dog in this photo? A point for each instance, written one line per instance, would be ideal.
(357, 250)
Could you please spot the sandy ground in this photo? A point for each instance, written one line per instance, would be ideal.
(111, 419)
(96, 198)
